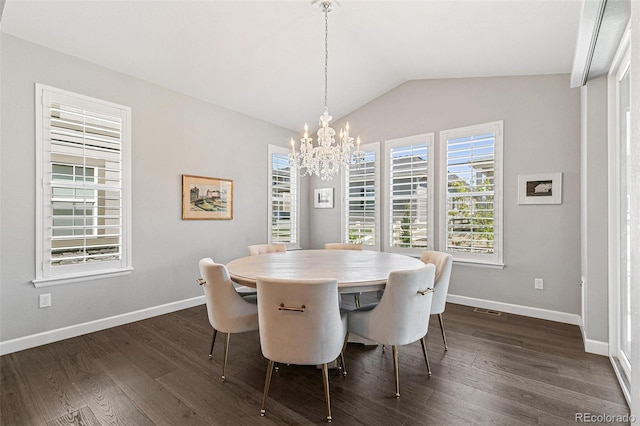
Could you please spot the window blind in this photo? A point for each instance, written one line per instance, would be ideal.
(470, 194)
(283, 200)
(408, 196)
(85, 182)
(360, 187)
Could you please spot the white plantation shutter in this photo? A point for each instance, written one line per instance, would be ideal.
(361, 189)
(283, 206)
(83, 148)
(472, 200)
(409, 194)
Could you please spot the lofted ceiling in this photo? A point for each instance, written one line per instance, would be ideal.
(266, 58)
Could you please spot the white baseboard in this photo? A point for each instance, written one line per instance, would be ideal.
(593, 346)
(526, 311)
(26, 342)
(596, 347)
(590, 346)
(45, 337)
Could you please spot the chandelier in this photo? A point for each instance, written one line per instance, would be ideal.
(325, 159)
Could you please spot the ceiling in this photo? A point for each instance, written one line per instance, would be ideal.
(266, 58)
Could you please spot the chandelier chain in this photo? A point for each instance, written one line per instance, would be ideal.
(326, 56)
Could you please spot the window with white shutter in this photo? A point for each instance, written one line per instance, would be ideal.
(83, 191)
(283, 199)
(409, 194)
(471, 182)
(362, 194)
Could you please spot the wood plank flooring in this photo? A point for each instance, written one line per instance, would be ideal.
(499, 370)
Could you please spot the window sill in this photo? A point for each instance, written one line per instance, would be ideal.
(479, 263)
(69, 279)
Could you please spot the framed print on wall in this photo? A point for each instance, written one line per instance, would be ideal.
(541, 188)
(206, 198)
(323, 198)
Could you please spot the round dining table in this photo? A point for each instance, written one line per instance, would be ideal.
(353, 269)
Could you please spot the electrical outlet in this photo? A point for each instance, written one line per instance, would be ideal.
(539, 283)
(45, 300)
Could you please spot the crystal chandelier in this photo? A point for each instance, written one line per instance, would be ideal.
(325, 159)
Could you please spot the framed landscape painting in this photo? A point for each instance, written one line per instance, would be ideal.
(206, 198)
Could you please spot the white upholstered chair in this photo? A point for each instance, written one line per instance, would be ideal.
(342, 246)
(443, 263)
(253, 251)
(301, 323)
(228, 312)
(402, 314)
(346, 246)
(266, 248)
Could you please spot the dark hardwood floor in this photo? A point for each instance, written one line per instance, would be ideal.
(499, 370)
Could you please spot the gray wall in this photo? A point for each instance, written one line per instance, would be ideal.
(173, 135)
(595, 211)
(541, 134)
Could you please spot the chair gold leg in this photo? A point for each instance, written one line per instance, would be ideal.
(325, 379)
(395, 370)
(346, 341)
(267, 382)
(226, 353)
(357, 300)
(426, 357)
(444, 337)
(343, 366)
(213, 340)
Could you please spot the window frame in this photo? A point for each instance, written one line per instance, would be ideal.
(46, 275)
(387, 234)
(619, 223)
(344, 231)
(497, 128)
(282, 151)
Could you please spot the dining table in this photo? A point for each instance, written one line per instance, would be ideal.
(354, 270)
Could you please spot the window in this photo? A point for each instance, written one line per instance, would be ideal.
(283, 202)
(471, 203)
(621, 212)
(362, 194)
(73, 207)
(409, 194)
(83, 203)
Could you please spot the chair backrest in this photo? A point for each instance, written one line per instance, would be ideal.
(228, 312)
(266, 248)
(443, 262)
(292, 334)
(342, 246)
(402, 315)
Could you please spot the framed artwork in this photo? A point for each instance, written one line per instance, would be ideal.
(542, 188)
(323, 198)
(206, 198)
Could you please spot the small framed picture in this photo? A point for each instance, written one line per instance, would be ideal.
(205, 198)
(323, 198)
(541, 188)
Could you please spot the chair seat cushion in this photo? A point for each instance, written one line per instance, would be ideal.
(367, 307)
(243, 289)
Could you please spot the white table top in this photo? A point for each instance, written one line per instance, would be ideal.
(364, 270)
